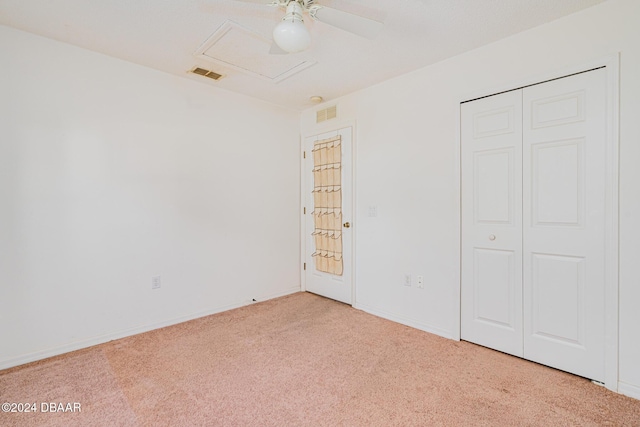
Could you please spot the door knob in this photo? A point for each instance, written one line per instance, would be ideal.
(346, 225)
(492, 237)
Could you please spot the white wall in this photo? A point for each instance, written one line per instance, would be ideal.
(406, 149)
(111, 173)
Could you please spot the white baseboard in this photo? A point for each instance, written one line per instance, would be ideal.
(405, 321)
(89, 342)
(629, 390)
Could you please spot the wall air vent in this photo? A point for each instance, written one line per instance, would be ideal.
(206, 73)
(326, 114)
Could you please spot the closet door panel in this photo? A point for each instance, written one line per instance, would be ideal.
(563, 223)
(491, 294)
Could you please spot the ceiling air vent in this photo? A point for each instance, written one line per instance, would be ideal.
(206, 73)
(326, 114)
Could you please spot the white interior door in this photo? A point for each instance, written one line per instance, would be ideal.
(491, 298)
(533, 223)
(564, 154)
(330, 285)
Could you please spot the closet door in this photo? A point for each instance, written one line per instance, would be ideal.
(491, 294)
(563, 223)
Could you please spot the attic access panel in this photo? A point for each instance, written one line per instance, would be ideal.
(246, 51)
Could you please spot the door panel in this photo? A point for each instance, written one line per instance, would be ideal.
(494, 275)
(491, 294)
(563, 223)
(493, 196)
(558, 183)
(335, 286)
(558, 110)
(557, 305)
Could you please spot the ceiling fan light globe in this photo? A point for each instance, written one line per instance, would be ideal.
(292, 36)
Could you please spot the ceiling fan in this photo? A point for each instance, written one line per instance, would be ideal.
(291, 35)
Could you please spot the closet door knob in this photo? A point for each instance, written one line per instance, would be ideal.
(492, 237)
(346, 225)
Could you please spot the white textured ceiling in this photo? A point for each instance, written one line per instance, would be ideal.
(165, 35)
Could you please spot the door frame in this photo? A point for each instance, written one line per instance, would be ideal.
(317, 130)
(612, 64)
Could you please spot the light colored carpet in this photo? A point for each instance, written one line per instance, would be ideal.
(303, 360)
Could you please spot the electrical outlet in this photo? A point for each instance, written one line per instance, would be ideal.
(155, 282)
(407, 279)
(420, 282)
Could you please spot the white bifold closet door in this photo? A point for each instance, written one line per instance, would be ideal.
(533, 237)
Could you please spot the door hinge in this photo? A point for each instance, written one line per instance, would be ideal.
(304, 154)
(304, 211)
(305, 265)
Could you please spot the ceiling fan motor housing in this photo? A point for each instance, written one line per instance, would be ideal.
(305, 4)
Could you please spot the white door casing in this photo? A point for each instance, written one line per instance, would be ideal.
(561, 266)
(338, 287)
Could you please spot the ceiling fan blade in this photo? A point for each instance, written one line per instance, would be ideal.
(277, 50)
(355, 24)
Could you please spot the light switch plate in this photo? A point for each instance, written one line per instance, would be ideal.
(407, 280)
(156, 282)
